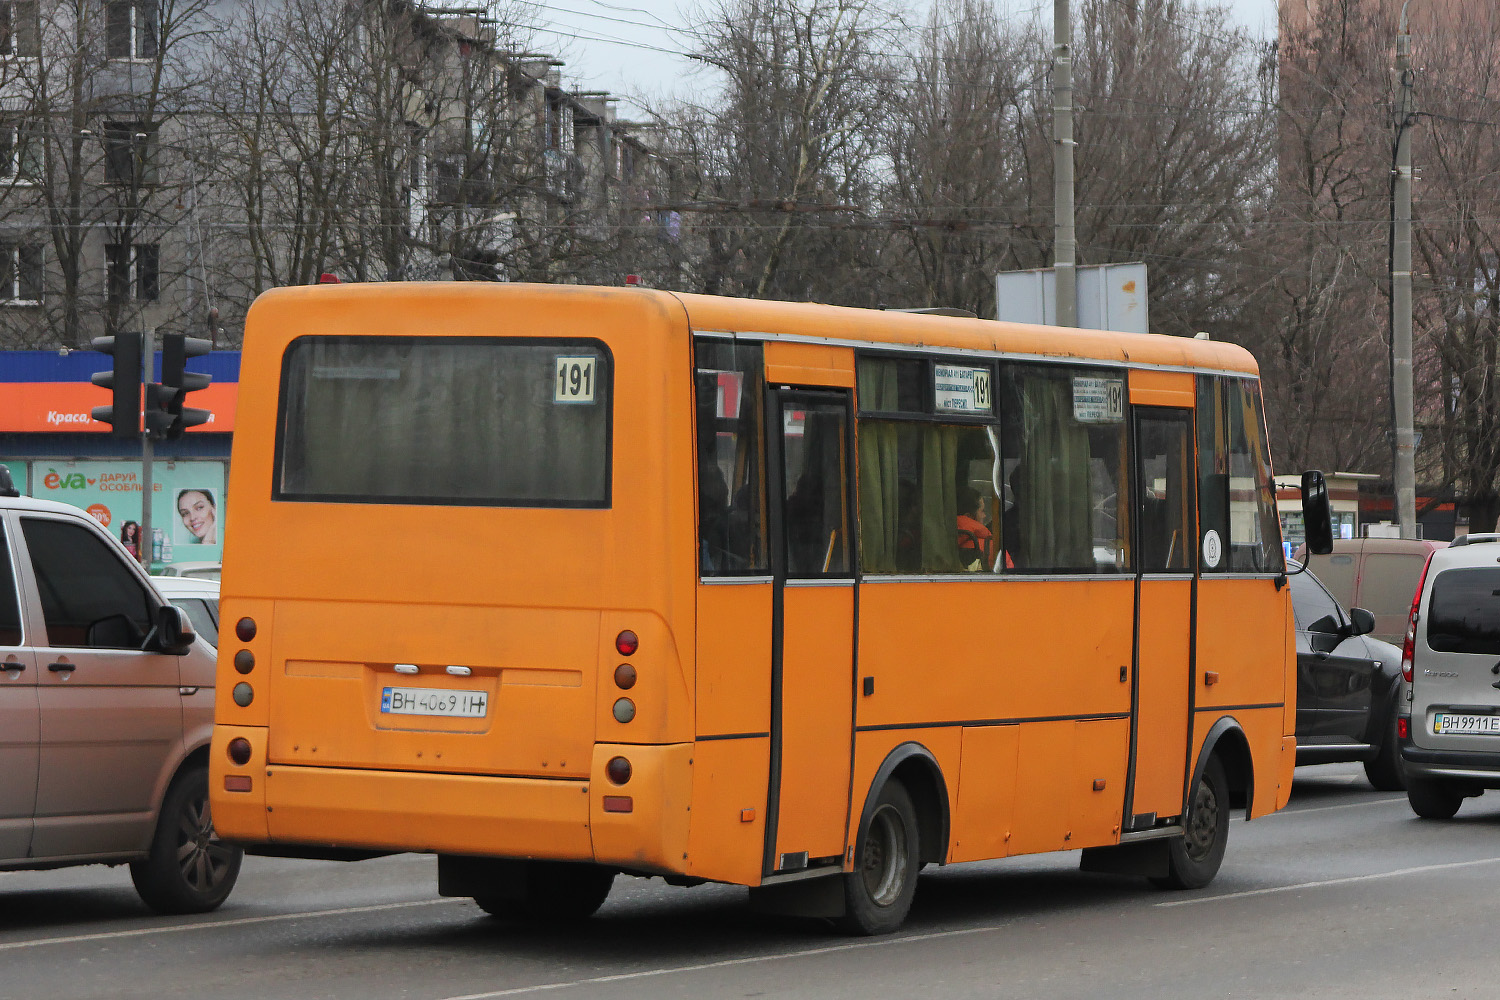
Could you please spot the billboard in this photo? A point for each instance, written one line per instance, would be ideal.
(1110, 297)
(187, 510)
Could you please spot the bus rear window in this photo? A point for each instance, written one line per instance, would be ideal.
(445, 421)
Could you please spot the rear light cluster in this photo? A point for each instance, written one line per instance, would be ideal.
(1409, 644)
(618, 770)
(244, 662)
(626, 643)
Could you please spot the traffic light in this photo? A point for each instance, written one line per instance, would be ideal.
(124, 381)
(177, 382)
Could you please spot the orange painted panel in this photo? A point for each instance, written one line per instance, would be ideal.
(809, 364)
(990, 650)
(873, 746)
(1043, 816)
(726, 837)
(414, 811)
(653, 836)
(1156, 388)
(1101, 756)
(1245, 640)
(734, 659)
(817, 717)
(986, 793)
(1162, 730)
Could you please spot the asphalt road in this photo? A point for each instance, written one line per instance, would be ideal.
(1343, 894)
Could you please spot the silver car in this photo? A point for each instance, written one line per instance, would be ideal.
(1450, 739)
(106, 710)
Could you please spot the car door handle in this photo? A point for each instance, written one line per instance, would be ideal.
(61, 668)
(13, 666)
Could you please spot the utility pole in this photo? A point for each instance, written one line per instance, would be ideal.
(148, 354)
(1065, 238)
(1403, 440)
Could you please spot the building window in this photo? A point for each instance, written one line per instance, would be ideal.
(130, 153)
(20, 29)
(133, 28)
(132, 272)
(21, 273)
(20, 152)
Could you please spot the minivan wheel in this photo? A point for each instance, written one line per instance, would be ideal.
(1385, 770)
(1194, 858)
(1432, 799)
(189, 869)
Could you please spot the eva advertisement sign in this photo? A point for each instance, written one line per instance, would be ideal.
(187, 511)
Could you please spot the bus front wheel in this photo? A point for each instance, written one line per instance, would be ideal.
(552, 891)
(1194, 858)
(878, 893)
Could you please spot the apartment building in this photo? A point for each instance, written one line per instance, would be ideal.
(163, 163)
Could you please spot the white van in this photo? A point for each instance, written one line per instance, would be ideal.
(1450, 736)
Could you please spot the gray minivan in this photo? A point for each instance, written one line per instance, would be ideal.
(1450, 739)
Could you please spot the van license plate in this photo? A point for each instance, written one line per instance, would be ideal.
(435, 701)
(1484, 725)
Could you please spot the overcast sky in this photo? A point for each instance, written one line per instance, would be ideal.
(627, 47)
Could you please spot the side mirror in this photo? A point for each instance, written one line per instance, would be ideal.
(174, 631)
(1328, 625)
(1363, 621)
(1317, 517)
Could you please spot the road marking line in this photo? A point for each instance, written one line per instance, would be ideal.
(729, 962)
(1332, 881)
(1342, 805)
(232, 922)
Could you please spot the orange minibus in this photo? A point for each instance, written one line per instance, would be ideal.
(561, 582)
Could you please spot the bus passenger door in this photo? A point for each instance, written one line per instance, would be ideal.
(812, 687)
(1166, 509)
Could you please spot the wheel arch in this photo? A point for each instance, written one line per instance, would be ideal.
(1227, 740)
(922, 776)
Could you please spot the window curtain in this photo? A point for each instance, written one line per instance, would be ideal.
(879, 483)
(939, 500)
(1051, 482)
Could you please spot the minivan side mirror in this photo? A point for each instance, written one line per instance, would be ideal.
(1317, 517)
(174, 631)
(1362, 620)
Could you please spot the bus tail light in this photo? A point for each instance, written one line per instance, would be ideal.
(626, 643)
(1409, 644)
(244, 629)
(618, 804)
(625, 677)
(237, 783)
(618, 770)
(624, 710)
(239, 751)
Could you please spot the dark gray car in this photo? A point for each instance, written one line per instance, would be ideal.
(1348, 684)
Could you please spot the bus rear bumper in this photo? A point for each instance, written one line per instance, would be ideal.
(439, 813)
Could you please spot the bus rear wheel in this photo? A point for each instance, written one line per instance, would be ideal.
(552, 891)
(879, 892)
(1194, 858)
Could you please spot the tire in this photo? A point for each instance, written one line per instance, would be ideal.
(879, 892)
(1194, 858)
(1385, 770)
(553, 892)
(1432, 799)
(189, 869)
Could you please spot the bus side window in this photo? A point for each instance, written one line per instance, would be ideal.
(1063, 448)
(1236, 493)
(730, 429)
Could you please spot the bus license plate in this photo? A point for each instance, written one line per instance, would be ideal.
(435, 701)
(1484, 725)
